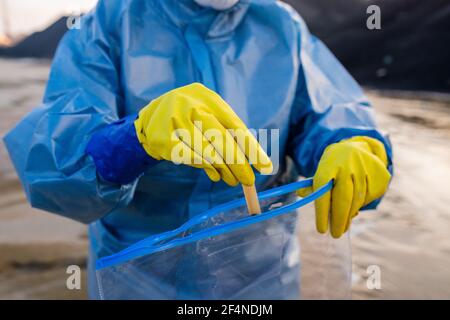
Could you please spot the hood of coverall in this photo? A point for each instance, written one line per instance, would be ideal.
(217, 4)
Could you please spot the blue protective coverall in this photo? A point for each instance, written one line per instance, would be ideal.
(258, 55)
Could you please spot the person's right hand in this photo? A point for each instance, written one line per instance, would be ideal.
(191, 124)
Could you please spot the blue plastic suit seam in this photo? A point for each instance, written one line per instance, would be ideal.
(136, 250)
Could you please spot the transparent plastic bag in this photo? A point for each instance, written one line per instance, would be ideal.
(225, 253)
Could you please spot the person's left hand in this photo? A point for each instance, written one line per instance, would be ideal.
(358, 168)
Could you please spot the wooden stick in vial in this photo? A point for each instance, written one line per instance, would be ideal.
(251, 197)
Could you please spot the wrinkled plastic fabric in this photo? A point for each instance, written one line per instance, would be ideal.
(215, 258)
(217, 4)
(258, 55)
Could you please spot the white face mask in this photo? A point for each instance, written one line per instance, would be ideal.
(217, 4)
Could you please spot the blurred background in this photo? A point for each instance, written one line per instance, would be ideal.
(405, 70)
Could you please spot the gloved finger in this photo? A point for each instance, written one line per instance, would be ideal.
(377, 185)
(322, 205)
(246, 141)
(347, 225)
(349, 221)
(341, 202)
(226, 175)
(212, 174)
(141, 133)
(211, 156)
(377, 148)
(226, 146)
(303, 192)
(252, 150)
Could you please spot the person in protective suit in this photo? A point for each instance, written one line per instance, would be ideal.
(98, 148)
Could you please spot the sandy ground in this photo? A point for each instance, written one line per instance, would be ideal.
(35, 246)
(407, 238)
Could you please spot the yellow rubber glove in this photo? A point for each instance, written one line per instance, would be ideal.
(190, 125)
(358, 167)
